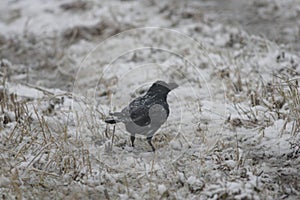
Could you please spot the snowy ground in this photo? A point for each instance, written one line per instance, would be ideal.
(233, 130)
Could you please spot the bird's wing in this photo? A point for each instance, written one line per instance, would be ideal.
(139, 112)
(117, 117)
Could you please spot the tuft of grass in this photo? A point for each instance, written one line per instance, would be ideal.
(37, 150)
(279, 100)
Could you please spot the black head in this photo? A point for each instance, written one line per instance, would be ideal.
(162, 87)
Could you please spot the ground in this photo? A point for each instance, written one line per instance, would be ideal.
(233, 129)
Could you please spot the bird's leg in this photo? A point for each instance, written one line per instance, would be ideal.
(132, 138)
(150, 143)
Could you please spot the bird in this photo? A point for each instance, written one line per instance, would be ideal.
(145, 114)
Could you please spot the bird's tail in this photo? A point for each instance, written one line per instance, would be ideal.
(115, 118)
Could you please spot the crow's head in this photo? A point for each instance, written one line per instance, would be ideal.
(162, 87)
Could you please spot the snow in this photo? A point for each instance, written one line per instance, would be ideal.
(161, 189)
(233, 129)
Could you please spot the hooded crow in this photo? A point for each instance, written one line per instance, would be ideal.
(145, 114)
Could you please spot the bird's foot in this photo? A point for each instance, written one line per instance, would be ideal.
(129, 148)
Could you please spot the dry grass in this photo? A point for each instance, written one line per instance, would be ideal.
(35, 154)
